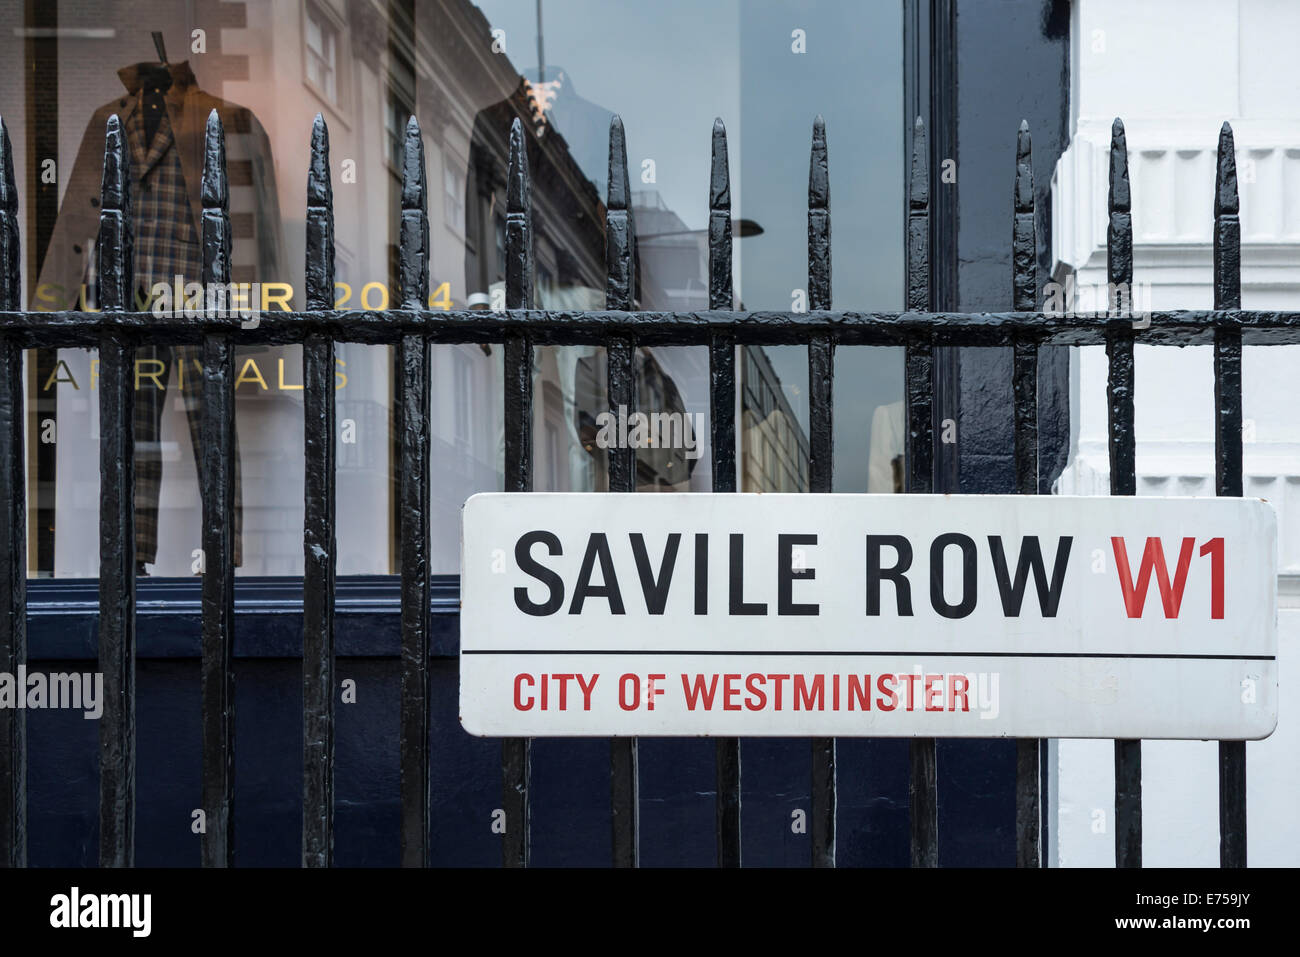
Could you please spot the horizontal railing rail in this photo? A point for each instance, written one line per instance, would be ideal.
(1187, 327)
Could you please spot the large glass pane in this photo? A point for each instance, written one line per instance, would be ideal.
(466, 71)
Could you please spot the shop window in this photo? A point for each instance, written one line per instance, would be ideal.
(348, 58)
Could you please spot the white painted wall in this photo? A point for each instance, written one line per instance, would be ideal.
(1174, 71)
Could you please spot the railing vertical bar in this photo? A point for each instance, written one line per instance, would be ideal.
(413, 504)
(516, 753)
(821, 379)
(919, 371)
(1123, 462)
(1228, 479)
(216, 466)
(319, 545)
(919, 355)
(620, 293)
(722, 437)
(116, 514)
(1024, 251)
(13, 526)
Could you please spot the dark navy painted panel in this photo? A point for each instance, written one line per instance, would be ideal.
(977, 811)
(571, 815)
(570, 802)
(465, 772)
(873, 803)
(678, 811)
(268, 765)
(62, 782)
(776, 781)
(168, 760)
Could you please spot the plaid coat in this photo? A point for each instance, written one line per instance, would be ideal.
(167, 245)
(257, 251)
(166, 208)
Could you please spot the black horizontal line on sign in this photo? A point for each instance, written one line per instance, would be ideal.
(861, 654)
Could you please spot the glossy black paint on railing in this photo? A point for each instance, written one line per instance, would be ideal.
(318, 521)
(13, 527)
(116, 515)
(722, 416)
(621, 330)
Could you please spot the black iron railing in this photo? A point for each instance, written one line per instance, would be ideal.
(115, 332)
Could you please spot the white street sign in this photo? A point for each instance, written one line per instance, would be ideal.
(868, 615)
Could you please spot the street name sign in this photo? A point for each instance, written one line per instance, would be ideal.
(868, 615)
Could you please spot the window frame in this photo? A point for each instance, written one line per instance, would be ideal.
(341, 106)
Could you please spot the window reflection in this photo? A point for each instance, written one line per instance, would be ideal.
(466, 71)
